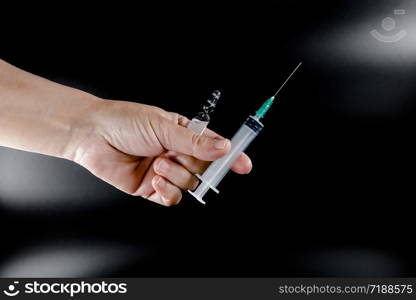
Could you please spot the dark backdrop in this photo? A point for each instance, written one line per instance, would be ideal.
(331, 190)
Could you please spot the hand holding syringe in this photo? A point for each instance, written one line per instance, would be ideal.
(244, 136)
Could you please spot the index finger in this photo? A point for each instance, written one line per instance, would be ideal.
(242, 165)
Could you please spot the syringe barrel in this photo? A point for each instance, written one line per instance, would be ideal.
(219, 168)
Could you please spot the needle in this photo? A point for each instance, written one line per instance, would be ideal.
(284, 83)
(266, 105)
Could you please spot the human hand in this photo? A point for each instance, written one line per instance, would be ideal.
(146, 151)
(140, 149)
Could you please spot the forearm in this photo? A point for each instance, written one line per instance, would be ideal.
(41, 116)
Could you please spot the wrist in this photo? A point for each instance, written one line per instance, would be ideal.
(42, 116)
(82, 126)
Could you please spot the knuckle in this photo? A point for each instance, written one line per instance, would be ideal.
(182, 120)
(178, 118)
(175, 117)
(166, 135)
(196, 142)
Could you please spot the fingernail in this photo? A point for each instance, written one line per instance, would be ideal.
(163, 166)
(165, 201)
(159, 181)
(220, 144)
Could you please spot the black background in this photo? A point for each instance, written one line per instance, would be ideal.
(329, 183)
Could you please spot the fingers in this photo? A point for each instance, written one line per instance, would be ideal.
(192, 164)
(178, 138)
(175, 173)
(188, 154)
(165, 192)
(242, 165)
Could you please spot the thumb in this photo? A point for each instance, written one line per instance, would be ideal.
(181, 139)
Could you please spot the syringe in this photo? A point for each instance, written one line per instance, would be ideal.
(244, 136)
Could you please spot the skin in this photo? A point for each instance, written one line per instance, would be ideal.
(140, 149)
